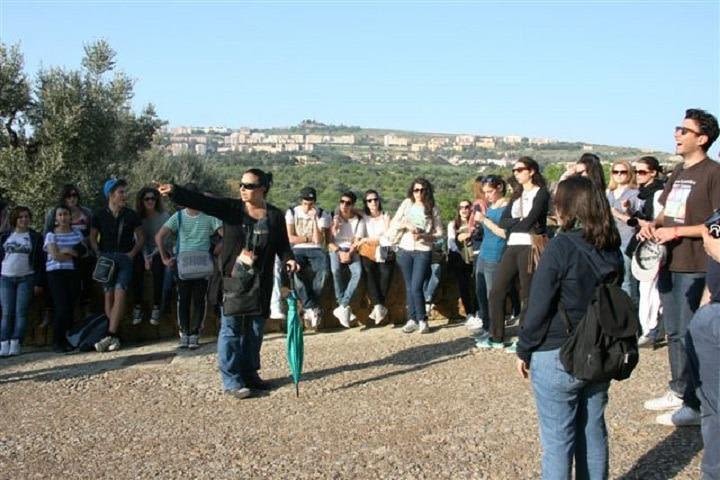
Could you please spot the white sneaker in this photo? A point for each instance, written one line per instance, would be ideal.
(383, 313)
(424, 327)
(316, 316)
(473, 323)
(155, 315)
(351, 316)
(184, 341)
(666, 402)
(410, 326)
(137, 315)
(647, 340)
(14, 347)
(342, 313)
(5, 348)
(373, 315)
(277, 315)
(682, 417)
(311, 316)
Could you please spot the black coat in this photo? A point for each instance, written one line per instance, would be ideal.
(232, 212)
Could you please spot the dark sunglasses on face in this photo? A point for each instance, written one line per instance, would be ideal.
(463, 207)
(345, 202)
(418, 190)
(619, 172)
(371, 200)
(150, 199)
(685, 130)
(520, 169)
(641, 172)
(249, 186)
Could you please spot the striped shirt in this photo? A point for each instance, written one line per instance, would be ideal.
(64, 241)
(195, 232)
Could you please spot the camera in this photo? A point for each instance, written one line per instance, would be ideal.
(713, 224)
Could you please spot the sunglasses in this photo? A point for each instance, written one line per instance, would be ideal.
(520, 169)
(620, 172)
(372, 200)
(685, 130)
(418, 190)
(641, 172)
(463, 207)
(346, 202)
(249, 186)
(149, 199)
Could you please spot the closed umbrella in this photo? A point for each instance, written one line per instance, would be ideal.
(294, 345)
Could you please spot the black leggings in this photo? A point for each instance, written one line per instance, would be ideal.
(157, 268)
(64, 290)
(463, 273)
(377, 279)
(191, 305)
(514, 263)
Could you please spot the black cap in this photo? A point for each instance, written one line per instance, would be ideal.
(308, 193)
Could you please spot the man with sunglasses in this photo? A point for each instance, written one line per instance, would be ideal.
(347, 228)
(308, 228)
(690, 195)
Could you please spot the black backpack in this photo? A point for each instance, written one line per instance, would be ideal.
(603, 346)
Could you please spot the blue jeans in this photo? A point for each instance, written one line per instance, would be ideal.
(310, 280)
(238, 348)
(484, 276)
(123, 272)
(415, 267)
(344, 290)
(571, 414)
(680, 294)
(431, 282)
(630, 284)
(703, 348)
(15, 296)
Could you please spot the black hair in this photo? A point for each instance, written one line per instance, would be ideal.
(349, 195)
(265, 178)
(495, 181)
(707, 123)
(581, 204)
(140, 202)
(15, 214)
(121, 182)
(66, 191)
(594, 169)
(537, 179)
(62, 206)
(428, 197)
(458, 220)
(379, 202)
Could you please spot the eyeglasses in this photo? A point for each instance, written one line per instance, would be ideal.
(463, 207)
(372, 200)
(346, 202)
(684, 130)
(520, 169)
(249, 186)
(641, 172)
(418, 190)
(149, 199)
(619, 172)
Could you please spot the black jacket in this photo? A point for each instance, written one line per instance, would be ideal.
(564, 274)
(535, 222)
(37, 254)
(232, 212)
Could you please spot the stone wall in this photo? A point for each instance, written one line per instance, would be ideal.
(447, 306)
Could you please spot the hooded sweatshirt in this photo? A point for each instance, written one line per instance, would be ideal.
(565, 274)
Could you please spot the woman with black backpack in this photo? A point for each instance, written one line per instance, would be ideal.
(570, 411)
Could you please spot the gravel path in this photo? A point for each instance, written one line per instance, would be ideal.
(373, 403)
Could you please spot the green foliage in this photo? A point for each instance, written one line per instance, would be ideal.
(14, 96)
(83, 128)
(156, 165)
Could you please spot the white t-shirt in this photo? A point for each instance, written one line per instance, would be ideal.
(350, 229)
(16, 262)
(304, 224)
(376, 227)
(63, 241)
(521, 209)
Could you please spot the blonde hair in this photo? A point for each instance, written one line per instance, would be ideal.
(631, 183)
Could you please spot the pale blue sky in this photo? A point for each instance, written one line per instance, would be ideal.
(617, 73)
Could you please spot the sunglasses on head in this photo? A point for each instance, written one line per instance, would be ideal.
(249, 186)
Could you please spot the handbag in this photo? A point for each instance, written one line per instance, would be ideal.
(241, 292)
(467, 253)
(193, 264)
(105, 267)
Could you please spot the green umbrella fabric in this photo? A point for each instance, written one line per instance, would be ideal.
(294, 345)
